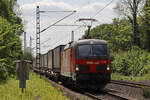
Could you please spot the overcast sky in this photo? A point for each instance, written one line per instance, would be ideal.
(61, 35)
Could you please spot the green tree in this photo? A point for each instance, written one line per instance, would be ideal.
(8, 11)
(10, 43)
(118, 34)
(146, 22)
(131, 9)
(10, 48)
(134, 62)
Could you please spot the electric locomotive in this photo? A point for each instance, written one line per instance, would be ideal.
(86, 63)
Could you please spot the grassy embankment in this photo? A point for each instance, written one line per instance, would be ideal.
(36, 89)
(118, 76)
(132, 65)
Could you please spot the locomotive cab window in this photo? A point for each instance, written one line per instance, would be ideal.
(84, 50)
(94, 50)
(99, 50)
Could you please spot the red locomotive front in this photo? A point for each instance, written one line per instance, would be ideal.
(87, 63)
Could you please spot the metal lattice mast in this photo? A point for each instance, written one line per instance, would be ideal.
(38, 37)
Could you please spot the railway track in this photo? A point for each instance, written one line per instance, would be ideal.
(117, 94)
(93, 95)
(113, 94)
(130, 84)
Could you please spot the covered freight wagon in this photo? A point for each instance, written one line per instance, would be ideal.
(57, 58)
(41, 61)
(50, 60)
(45, 61)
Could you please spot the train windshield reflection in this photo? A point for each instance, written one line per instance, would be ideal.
(92, 50)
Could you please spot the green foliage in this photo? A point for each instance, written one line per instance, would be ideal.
(3, 69)
(118, 34)
(7, 10)
(10, 44)
(9, 41)
(119, 76)
(135, 62)
(146, 92)
(146, 10)
(145, 23)
(131, 12)
(10, 48)
(28, 56)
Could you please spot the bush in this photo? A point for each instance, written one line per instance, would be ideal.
(146, 92)
(135, 62)
(3, 69)
(10, 48)
(28, 56)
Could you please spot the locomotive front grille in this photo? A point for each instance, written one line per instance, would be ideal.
(101, 67)
(84, 67)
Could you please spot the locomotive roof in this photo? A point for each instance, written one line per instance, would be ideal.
(84, 41)
(89, 41)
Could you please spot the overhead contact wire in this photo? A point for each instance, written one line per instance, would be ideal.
(103, 8)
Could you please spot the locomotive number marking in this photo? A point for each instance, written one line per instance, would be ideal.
(89, 62)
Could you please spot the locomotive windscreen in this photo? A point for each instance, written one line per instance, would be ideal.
(94, 50)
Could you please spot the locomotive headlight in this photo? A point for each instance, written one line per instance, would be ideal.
(108, 68)
(77, 68)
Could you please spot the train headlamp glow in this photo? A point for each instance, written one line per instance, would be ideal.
(108, 68)
(77, 68)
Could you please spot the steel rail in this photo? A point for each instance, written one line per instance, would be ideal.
(94, 97)
(118, 94)
(131, 84)
(107, 91)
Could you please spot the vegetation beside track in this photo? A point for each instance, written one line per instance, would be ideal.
(36, 89)
(117, 76)
(146, 92)
(134, 62)
(131, 65)
(11, 28)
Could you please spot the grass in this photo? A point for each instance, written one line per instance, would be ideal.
(118, 76)
(36, 89)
